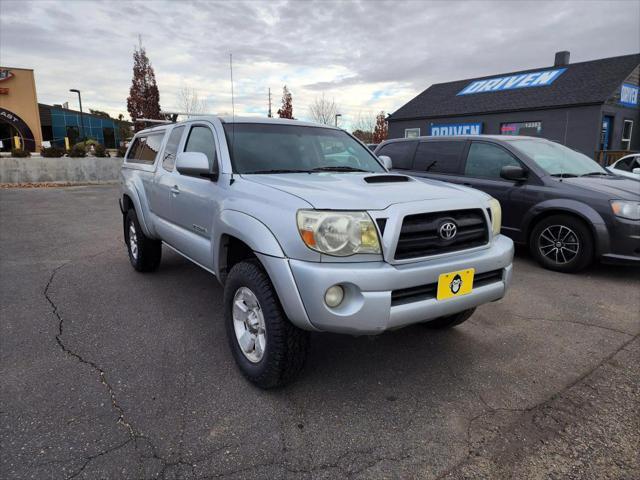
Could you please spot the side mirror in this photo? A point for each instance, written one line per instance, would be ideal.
(195, 164)
(636, 171)
(514, 173)
(386, 161)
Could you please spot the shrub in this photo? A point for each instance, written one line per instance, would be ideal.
(77, 150)
(19, 152)
(100, 151)
(122, 151)
(52, 151)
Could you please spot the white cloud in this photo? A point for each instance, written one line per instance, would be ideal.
(368, 56)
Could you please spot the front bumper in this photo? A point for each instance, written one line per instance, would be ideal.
(368, 307)
(624, 242)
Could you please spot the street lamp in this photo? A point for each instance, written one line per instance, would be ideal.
(337, 115)
(81, 114)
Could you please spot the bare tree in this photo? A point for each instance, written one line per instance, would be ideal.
(323, 110)
(188, 101)
(364, 126)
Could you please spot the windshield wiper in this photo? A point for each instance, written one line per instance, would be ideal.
(591, 174)
(338, 168)
(277, 170)
(564, 175)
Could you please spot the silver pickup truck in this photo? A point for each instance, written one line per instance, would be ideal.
(308, 231)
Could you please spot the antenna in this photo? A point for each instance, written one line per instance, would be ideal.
(233, 115)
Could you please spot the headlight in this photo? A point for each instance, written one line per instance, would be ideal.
(496, 216)
(624, 209)
(338, 233)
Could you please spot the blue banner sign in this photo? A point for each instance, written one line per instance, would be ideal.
(456, 129)
(629, 95)
(522, 80)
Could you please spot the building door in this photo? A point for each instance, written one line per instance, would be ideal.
(109, 137)
(605, 132)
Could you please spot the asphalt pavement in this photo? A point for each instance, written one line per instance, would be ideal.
(109, 373)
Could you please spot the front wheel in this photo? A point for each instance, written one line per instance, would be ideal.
(562, 243)
(269, 350)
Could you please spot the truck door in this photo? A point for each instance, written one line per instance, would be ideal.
(195, 200)
(160, 202)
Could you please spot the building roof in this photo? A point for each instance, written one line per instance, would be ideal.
(582, 83)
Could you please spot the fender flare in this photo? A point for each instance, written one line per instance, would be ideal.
(248, 229)
(131, 191)
(589, 215)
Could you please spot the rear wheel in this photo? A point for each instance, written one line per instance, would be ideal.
(144, 252)
(450, 320)
(562, 243)
(269, 350)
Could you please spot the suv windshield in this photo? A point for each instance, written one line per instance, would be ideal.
(558, 160)
(272, 148)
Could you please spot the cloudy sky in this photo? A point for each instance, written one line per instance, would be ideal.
(367, 55)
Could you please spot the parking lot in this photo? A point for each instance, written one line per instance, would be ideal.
(108, 373)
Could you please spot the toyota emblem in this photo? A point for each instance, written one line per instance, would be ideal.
(448, 230)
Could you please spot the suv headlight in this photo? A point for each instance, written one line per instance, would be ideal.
(496, 216)
(625, 209)
(338, 233)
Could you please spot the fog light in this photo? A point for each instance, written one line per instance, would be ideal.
(333, 296)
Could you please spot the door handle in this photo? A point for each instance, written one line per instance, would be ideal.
(175, 190)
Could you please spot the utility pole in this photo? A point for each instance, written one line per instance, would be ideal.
(269, 104)
(337, 115)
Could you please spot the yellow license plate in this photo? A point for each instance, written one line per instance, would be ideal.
(455, 284)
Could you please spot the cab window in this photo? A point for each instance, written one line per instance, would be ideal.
(145, 149)
(439, 156)
(201, 140)
(170, 151)
(401, 154)
(486, 160)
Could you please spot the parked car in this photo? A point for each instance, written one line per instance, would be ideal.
(628, 166)
(308, 231)
(565, 206)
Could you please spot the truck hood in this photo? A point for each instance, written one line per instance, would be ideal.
(613, 187)
(357, 191)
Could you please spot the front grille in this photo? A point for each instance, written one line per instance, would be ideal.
(419, 236)
(428, 292)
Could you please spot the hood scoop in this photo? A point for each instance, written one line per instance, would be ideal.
(386, 179)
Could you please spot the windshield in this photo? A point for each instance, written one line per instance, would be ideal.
(557, 159)
(273, 148)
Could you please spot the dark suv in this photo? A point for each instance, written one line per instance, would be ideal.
(565, 206)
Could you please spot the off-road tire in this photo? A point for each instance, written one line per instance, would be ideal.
(585, 251)
(450, 320)
(149, 250)
(286, 345)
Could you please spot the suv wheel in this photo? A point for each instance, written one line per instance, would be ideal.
(144, 252)
(450, 320)
(269, 350)
(562, 243)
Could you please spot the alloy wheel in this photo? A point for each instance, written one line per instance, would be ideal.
(559, 243)
(249, 325)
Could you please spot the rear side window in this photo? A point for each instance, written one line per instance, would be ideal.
(486, 160)
(439, 157)
(170, 151)
(201, 140)
(401, 154)
(145, 149)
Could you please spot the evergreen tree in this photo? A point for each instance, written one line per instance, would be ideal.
(144, 97)
(286, 111)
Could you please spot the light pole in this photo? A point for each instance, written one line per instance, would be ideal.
(337, 115)
(81, 114)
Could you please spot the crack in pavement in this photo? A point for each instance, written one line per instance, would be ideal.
(584, 324)
(540, 405)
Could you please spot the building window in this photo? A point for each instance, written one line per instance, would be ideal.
(411, 132)
(626, 134)
(531, 129)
